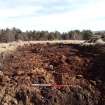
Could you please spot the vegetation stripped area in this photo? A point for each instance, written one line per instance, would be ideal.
(70, 74)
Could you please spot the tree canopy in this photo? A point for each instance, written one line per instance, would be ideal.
(14, 34)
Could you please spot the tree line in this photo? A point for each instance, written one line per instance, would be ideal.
(14, 34)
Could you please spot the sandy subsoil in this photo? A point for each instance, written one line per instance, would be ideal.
(53, 74)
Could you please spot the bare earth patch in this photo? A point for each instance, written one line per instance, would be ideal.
(53, 74)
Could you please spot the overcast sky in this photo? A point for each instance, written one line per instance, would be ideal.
(51, 15)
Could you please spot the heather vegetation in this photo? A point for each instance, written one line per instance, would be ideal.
(53, 74)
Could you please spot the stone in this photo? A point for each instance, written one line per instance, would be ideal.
(1, 74)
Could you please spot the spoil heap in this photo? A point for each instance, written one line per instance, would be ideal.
(75, 74)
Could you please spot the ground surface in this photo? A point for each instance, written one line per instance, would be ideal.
(82, 68)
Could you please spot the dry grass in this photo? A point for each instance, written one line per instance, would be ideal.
(4, 47)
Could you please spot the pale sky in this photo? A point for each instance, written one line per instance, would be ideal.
(51, 15)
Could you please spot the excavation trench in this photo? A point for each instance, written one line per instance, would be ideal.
(54, 74)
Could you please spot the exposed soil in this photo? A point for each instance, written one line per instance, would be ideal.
(82, 68)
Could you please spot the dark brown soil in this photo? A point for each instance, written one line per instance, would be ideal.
(82, 68)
